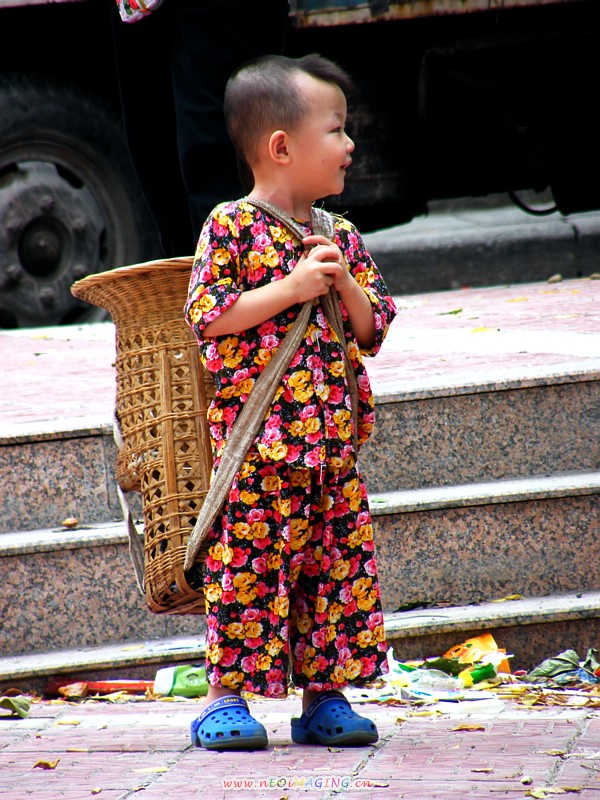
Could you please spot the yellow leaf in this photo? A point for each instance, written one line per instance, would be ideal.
(517, 300)
(43, 764)
(530, 700)
(486, 770)
(152, 769)
(96, 790)
(425, 714)
(539, 793)
(68, 722)
(481, 329)
(508, 597)
(466, 727)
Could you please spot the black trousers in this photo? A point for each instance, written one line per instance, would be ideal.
(172, 69)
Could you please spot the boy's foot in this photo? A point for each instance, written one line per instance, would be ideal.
(330, 720)
(226, 724)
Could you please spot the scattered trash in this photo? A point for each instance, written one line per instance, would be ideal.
(476, 662)
(182, 681)
(81, 689)
(566, 668)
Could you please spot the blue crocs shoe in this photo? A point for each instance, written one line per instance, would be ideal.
(226, 724)
(330, 720)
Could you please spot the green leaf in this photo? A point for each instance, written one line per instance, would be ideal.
(448, 313)
(16, 705)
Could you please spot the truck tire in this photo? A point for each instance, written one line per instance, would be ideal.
(70, 204)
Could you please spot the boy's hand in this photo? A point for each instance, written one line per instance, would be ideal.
(319, 268)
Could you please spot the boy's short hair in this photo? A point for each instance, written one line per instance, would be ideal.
(262, 95)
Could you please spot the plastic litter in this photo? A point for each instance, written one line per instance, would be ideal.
(182, 681)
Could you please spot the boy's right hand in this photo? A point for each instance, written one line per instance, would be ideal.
(316, 271)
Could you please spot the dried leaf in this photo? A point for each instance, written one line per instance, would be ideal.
(485, 770)
(152, 769)
(43, 764)
(508, 597)
(70, 522)
(465, 727)
(529, 700)
(68, 722)
(96, 790)
(73, 689)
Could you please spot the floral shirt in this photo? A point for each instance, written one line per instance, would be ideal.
(309, 423)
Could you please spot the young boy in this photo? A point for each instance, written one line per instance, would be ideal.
(291, 579)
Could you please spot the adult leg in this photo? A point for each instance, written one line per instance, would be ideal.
(143, 63)
(214, 37)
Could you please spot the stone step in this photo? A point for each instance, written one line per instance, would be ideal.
(483, 431)
(58, 473)
(471, 386)
(483, 242)
(428, 437)
(453, 545)
(69, 589)
(529, 629)
(467, 544)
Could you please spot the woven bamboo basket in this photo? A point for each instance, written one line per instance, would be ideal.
(162, 397)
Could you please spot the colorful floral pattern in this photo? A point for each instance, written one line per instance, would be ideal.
(291, 572)
(309, 423)
(291, 575)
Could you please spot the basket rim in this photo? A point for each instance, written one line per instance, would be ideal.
(157, 265)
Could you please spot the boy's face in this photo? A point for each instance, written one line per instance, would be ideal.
(320, 148)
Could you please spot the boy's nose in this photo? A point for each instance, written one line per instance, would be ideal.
(349, 144)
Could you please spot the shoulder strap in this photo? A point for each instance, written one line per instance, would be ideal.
(250, 418)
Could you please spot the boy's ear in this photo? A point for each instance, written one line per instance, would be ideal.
(278, 147)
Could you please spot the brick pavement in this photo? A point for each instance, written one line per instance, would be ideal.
(141, 749)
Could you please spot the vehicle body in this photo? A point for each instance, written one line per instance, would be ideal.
(456, 98)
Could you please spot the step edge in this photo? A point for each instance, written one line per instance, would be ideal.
(54, 430)
(511, 490)
(492, 615)
(388, 392)
(398, 625)
(125, 654)
(384, 392)
(47, 540)
(382, 504)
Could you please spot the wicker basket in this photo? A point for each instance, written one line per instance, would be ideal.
(163, 392)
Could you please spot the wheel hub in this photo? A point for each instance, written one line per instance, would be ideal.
(53, 232)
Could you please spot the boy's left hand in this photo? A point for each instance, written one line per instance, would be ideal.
(342, 280)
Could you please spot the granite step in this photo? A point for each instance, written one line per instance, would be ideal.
(455, 545)
(529, 629)
(443, 436)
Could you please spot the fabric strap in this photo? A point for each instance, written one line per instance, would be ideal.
(253, 412)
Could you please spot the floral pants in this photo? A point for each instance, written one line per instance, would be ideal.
(291, 582)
